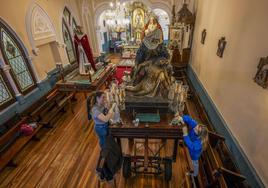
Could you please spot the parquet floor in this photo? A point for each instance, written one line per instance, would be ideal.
(66, 156)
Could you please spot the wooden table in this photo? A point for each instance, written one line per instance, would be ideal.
(161, 130)
(74, 82)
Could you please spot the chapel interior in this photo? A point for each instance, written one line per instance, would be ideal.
(156, 62)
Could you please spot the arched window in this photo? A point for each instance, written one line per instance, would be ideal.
(6, 92)
(67, 15)
(15, 57)
(68, 42)
(74, 25)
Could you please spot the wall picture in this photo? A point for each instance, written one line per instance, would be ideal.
(221, 47)
(175, 34)
(261, 77)
(203, 36)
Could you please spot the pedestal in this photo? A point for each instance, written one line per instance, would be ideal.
(146, 104)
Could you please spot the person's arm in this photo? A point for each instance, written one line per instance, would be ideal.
(189, 121)
(106, 118)
(191, 145)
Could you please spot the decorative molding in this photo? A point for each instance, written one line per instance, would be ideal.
(41, 26)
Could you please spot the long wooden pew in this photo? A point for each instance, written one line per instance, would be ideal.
(43, 112)
(216, 165)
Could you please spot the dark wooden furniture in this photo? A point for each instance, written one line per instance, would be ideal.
(162, 131)
(74, 82)
(42, 112)
(11, 141)
(217, 165)
(46, 109)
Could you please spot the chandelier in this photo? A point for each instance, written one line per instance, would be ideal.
(115, 16)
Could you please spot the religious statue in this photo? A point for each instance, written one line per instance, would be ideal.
(116, 94)
(152, 73)
(177, 104)
(138, 23)
(126, 79)
(83, 51)
(138, 18)
(155, 81)
(152, 46)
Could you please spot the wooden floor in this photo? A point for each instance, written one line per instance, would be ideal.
(66, 156)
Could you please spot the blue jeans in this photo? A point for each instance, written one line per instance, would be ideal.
(102, 132)
(196, 167)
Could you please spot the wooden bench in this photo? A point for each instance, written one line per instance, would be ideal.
(11, 141)
(218, 155)
(190, 169)
(42, 112)
(48, 107)
(56, 103)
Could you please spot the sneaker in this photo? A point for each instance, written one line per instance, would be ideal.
(109, 179)
(100, 175)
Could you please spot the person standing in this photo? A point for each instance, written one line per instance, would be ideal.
(101, 115)
(196, 140)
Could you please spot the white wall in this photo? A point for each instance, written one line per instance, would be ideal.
(229, 80)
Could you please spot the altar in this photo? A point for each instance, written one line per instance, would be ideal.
(129, 51)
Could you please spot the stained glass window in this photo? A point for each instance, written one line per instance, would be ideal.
(6, 93)
(67, 15)
(15, 57)
(68, 42)
(74, 25)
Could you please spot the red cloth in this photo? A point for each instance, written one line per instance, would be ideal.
(26, 130)
(120, 72)
(87, 49)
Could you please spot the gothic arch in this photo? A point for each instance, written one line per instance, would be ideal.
(100, 8)
(40, 28)
(17, 57)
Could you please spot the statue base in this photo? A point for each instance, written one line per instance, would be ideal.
(146, 104)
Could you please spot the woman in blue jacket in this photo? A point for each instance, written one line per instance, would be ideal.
(196, 140)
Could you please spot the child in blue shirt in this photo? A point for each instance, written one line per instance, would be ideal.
(196, 140)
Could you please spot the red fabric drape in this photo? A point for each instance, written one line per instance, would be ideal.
(86, 46)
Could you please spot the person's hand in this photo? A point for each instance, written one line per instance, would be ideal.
(180, 120)
(184, 130)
